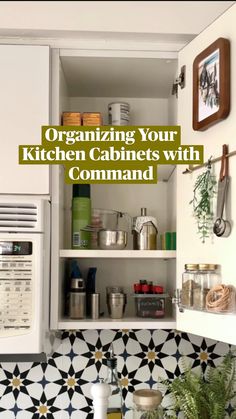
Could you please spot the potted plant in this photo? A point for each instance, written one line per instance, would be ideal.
(200, 397)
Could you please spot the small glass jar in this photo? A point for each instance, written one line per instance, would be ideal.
(147, 404)
(221, 299)
(188, 283)
(206, 278)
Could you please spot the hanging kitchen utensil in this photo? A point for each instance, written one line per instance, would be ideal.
(222, 228)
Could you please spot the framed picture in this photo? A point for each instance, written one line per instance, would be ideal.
(211, 85)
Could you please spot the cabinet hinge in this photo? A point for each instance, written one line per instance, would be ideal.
(177, 299)
(180, 81)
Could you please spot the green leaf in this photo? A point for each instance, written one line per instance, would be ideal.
(202, 201)
(204, 398)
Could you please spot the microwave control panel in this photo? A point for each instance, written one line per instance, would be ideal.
(16, 293)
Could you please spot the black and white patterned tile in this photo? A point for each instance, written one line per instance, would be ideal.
(60, 388)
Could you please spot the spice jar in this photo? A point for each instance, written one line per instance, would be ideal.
(206, 278)
(188, 283)
(147, 404)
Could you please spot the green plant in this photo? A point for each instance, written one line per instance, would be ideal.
(203, 192)
(150, 415)
(204, 398)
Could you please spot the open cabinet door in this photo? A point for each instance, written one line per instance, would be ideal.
(218, 250)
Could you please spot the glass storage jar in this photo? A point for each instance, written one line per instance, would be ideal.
(189, 281)
(147, 404)
(221, 299)
(206, 278)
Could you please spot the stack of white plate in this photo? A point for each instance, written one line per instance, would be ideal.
(118, 113)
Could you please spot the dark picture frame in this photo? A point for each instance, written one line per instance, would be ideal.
(211, 85)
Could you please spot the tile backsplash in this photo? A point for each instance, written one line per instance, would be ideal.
(60, 388)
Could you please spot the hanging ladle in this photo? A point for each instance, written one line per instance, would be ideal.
(222, 228)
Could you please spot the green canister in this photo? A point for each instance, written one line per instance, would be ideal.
(81, 216)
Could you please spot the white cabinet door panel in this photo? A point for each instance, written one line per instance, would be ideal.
(24, 107)
(216, 250)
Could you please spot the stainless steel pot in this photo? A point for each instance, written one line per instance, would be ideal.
(112, 239)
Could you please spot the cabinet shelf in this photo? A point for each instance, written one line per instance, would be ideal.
(118, 254)
(125, 323)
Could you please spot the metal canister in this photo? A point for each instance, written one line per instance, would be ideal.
(77, 306)
(116, 302)
(118, 113)
(95, 305)
(146, 239)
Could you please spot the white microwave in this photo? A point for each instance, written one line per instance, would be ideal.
(24, 274)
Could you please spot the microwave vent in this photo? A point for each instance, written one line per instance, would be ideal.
(19, 216)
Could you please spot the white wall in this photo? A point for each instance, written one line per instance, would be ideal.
(172, 110)
(190, 248)
(142, 111)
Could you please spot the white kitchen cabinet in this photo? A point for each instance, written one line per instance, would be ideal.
(76, 87)
(24, 107)
(86, 83)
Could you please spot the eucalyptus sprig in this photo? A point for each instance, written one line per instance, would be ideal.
(202, 202)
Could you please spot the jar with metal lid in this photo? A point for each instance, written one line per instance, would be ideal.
(147, 404)
(189, 281)
(207, 277)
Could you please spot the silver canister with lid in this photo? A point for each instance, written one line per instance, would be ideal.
(144, 232)
(116, 302)
(77, 306)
